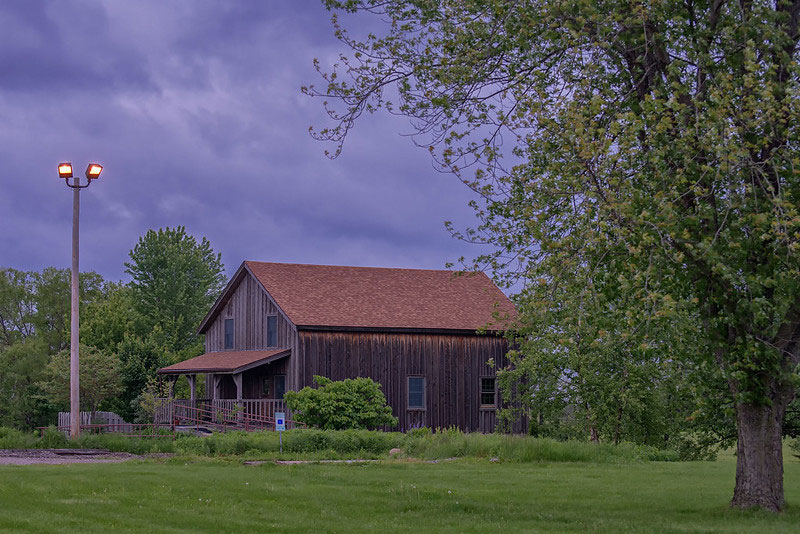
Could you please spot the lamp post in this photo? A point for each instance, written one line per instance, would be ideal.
(92, 173)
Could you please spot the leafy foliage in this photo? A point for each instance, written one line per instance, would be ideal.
(106, 321)
(38, 304)
(149, 323)
(99, 378)
(175, 281)
(22, 402)
(17, 305)
(34, 324)
(339, 405)
(636, 161)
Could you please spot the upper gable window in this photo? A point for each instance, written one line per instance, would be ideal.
(272, 330)
(228, 333)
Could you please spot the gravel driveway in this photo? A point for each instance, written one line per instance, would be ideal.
(61, 456)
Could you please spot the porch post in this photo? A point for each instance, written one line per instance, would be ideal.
(192, 387)
(216, 380)
(171, 380)
(238, 379)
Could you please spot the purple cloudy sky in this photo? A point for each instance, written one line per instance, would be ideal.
(194, 107)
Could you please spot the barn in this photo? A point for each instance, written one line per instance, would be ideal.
(432, 338)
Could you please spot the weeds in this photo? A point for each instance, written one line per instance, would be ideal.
(336, 444)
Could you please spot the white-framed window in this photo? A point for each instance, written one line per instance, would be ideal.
(416, 392)
(488, 392)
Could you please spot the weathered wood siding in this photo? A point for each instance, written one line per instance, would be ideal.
(249, 305)
(451, 364)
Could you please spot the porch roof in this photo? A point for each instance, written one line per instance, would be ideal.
(225, 362)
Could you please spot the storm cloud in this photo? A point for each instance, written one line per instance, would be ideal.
(195, 110)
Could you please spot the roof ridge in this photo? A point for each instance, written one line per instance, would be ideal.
(365, 267)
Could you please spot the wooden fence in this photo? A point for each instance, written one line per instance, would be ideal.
(115, 422)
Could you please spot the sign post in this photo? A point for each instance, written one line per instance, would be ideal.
(280, 426)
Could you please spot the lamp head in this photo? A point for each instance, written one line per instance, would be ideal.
(65, 170)
(93, 171)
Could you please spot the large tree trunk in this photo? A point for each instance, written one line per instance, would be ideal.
(759, 461)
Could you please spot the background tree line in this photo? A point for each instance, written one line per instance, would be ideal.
(128, 331)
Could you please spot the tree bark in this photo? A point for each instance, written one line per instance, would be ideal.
(759, 460)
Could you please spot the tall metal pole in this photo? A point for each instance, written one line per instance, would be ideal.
(74, 376)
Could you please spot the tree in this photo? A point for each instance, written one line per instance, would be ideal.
(53, 293)
(22, 402)
(340, 405)
(140, 358)
(108, 320)
(175, 281)
(99, 378)
(660, 136)
(17, 305)
(590, 362)
(38, 303)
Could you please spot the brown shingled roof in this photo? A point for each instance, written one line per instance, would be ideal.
(338, 296)
(228, 361)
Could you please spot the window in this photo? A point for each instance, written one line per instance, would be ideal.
(280, 386)
(228, 333)
(416, 392)
(272, 330)
(488, 397)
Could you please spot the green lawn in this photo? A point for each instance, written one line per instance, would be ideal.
(459, 496)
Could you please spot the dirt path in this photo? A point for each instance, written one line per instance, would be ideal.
(61, 456)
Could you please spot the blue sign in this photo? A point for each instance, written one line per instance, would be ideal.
(280, 421)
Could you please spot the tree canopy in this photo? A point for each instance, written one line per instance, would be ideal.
(175, 279)
(641, 156)
(99, 378)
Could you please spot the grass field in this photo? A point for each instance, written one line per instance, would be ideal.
(203, 495)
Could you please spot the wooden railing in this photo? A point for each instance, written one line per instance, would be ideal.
(171, 410)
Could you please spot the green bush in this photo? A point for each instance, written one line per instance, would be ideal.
(353, 403)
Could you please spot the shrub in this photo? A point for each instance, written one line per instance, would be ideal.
(11, 438)
(354, 403)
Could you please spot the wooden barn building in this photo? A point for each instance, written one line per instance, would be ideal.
(414, 331)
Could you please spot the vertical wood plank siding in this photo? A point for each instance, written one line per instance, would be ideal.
(451, 364)
(249, 305)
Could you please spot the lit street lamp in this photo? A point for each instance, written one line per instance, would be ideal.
(92, 172)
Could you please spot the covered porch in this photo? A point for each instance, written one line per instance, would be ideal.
(240, 385)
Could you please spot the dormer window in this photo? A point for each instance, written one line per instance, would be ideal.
(228, 334)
